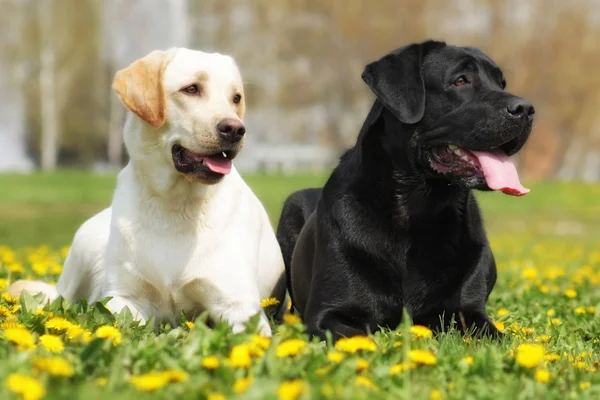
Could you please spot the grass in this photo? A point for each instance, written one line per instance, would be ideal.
(547, 246)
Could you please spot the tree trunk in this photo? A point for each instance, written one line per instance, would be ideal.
(48, 100)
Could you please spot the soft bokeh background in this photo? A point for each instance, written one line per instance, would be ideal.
(301, 61)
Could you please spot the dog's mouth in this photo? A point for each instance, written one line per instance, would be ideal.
(494, 166)
(208, 166)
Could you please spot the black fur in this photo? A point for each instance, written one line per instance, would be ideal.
(388, 231)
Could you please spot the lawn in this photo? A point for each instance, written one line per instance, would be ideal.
(547, 301)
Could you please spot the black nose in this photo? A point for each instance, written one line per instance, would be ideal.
(232, 130)
(520, 108)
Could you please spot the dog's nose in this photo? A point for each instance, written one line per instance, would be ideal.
(231, 129)
(520, 108)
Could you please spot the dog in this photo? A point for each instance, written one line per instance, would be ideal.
(396, 226)
(184, 233)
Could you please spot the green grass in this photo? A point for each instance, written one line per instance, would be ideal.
(547, 245)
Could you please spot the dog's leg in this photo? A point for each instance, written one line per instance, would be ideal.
(237, 314)
(117, 304)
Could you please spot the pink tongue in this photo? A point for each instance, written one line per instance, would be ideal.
(218, 165)
(500, 172)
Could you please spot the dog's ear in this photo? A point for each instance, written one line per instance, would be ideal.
(397, 81)
(140, 87)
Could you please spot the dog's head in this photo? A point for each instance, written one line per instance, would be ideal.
(465, 124)
(192, 106)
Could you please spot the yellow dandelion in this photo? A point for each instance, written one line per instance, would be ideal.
(543, 338)
(240, 356)
(40, 269)
(335, 356)
(552, 357)
(424, 357)
(585, 385)
(52, 343)
(149, 382)
(502, 312)
(356, 343)
(210, 362)
(542, 375)
(215, 396)
(570, 293)
(291, 319)
(551, 312)
(10, 299)
(591, 309)
(363, 381)
(259, 344)
(499, 326)
(451, 386)
(5, 311)
(554, 322)
(529, 355)
(421, 331)
(110, 333)
(29, 388)
(323, 370)
(436, 394)
(9, 324)
(189, 324)
(58, 324)
(101, 382)
(290, 347)
(361, 365)
(529, 273)
(175, 375)
(242, 384)
(399, 368)
(580, 310)
(544, 289)
(15, 268)
(21, 337)
(468, 360)
(56, 366)
(78, 334)
(271, 301)
(290, 390)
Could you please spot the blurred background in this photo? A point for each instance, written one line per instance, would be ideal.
(301, 61)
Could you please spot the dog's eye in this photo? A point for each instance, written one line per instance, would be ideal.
(460, 81)
(503, 84)
(237, 98)
(192, 89)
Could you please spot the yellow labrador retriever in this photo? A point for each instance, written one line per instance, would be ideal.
(184, 231)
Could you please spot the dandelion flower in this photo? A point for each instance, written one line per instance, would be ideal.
(271, 301)
(290, 347)
(502, 312)
(8, 324)
(242, 384)
(554, 322)
(28, 387)
(356, 343)
(468, 360)
(52, 343)
(56, 366)
(291, 319)
(3, 283)
(215, 396)
(260, 343)
(424, 357)
(58, 324)
(10, 299)
(552, 357)
(529, 355)
(421, 331)
(189, 324)
(21, 337)
(399, 368)
(335, 356)
(585, 385)
(544, 338)
(436, 394)
(542, 375)
(570, 293)
(110, 333)
(551, 312)
(580, 310)
(290, 390)
(210, 362)
(101, 382)
(364, 382)
(361, 365)
(149, 382)
(5, 311)
(240, 356)
(499, 326)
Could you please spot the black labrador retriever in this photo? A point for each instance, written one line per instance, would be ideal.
(396, 225)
